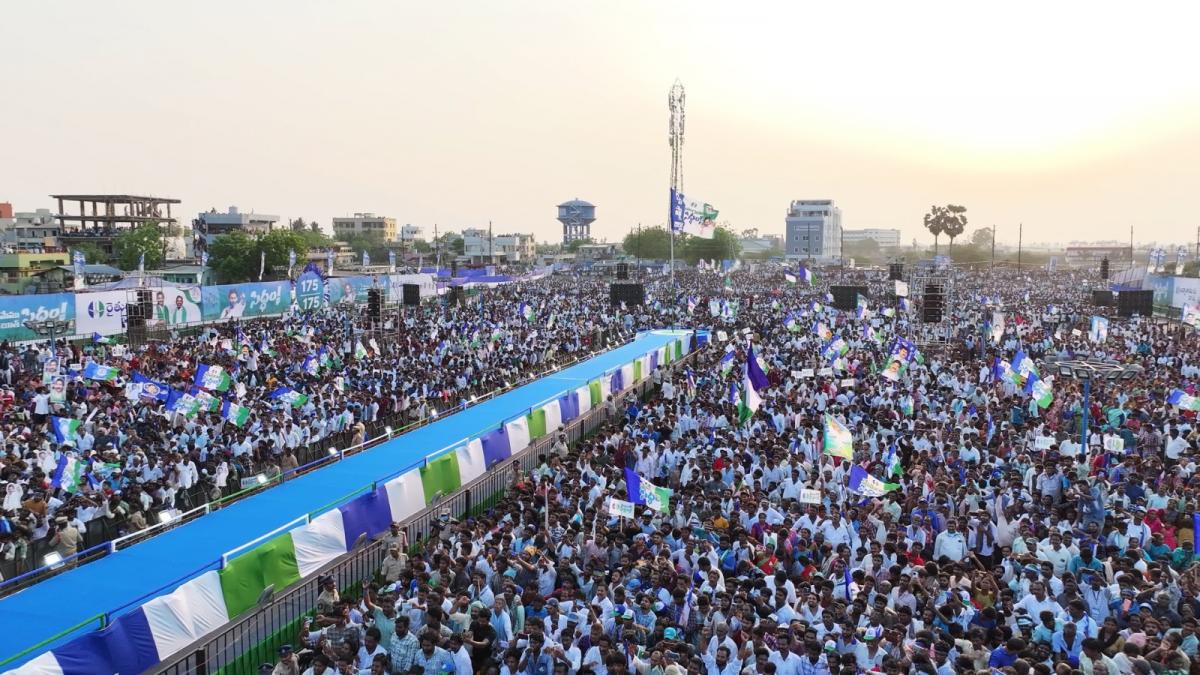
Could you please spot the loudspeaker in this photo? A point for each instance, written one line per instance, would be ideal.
(622, 271)
(1104, 268)
(456, 295)
(896, 271)
(134, 314)
(630, 294)
(1135, 302)
(374, 304)
(1102, 298)
(412, 295)
(845, 298)
(453, 268)
(933, 303)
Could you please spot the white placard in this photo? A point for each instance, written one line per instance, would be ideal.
(901, 289)
(1114, 444)
(806, 372)
(810, 496)
(848, 382)
(620, 508)
(722, 336)
(1043, 442)
(1076, 332)
(825, 372)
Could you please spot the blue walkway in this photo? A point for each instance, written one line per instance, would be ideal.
(123, 581)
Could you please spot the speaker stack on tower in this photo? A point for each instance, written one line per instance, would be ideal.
(622, 271)
(456, 295)
(845, 298)
(630, 294)
(136, 315)
(374, 304)
(1104, 268)
(1135, 302)
(896, 271)
(411, 295)
(1102, 298)
(933, 302)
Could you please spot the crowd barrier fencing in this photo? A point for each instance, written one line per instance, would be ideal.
(229, 589)
(254, 638)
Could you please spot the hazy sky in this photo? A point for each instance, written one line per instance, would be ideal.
(1079, 119)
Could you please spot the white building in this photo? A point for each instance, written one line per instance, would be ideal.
(30, 231)
(885, 237)
(813, 230)
(212, 223)
(365, 223)
(409, 234)
(481, 248)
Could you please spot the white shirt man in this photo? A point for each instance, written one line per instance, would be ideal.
(950, 543)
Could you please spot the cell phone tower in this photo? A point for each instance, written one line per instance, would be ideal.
(675, 101)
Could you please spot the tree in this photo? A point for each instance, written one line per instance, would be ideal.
(982, 238)
(863, 250)
(131, 245)
(92, 253)
(648, 242)
(298, 224)
(421, 246)
(949, 220)
(724, 245)
(574, 245)
(235, 257)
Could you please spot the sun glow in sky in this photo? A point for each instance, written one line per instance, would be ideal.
(1077, 119)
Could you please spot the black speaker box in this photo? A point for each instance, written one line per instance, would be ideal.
(1135, 302)
(630, 294)
(845, 298)
(412, 295)
(1102, 298)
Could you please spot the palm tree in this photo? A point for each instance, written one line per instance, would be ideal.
(950, 220)
(933, 223)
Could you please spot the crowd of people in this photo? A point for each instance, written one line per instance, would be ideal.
(969, 530)
(815, 491)
(141, 451)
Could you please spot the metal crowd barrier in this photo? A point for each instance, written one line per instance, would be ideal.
(107, 535)
(253, 639)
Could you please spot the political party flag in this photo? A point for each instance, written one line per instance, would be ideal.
(867, 485)
(366, 259)
(835, 349)
(212, 377)
(1002, 370)
(754, 382)
(1196, 528)
(691, 304)
(526, 312)
(792, 323)
(1098, 332)
(95, 371)
(237, 414)
(838, 440)
(1024, 366)
(620, 508)
(806, 275)
(67, 473)
(288, 395)
(64, 428)
(185, 404)
(892, 462)
(151, 389)
(814, 307)
(728, 283)
(205, 401)
(860, 307)
(311, 365)
(265, 347)
(262, 264)
(392, 261)
(726, 362)
(906, 406)
(991, 428)
(790, 278)
(291, 260)
(1183, 400)
(360, 352)
(821, 330)
(905, 306)
(642, 491)
(101, 340)
(1040, 390)
(734, 398)
(869, 333)
(889, 312)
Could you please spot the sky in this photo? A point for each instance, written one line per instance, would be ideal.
(1078, 120)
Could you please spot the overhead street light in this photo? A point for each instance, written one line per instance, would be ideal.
(1088, 370)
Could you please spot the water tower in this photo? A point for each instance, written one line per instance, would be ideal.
(576, 217)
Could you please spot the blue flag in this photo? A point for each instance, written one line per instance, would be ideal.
(150, 388)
